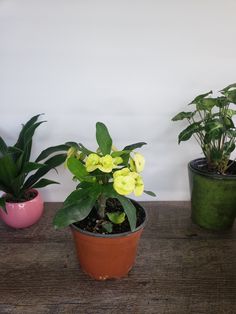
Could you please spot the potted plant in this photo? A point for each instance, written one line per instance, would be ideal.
(21, 204)
(105, 223)
(213, 177)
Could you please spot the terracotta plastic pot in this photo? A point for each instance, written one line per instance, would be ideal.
(213, 197)
(24, 214)
(107, 256)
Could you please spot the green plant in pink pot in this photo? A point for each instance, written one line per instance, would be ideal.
(21, 204)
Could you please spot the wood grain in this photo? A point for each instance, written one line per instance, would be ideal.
(180, 268)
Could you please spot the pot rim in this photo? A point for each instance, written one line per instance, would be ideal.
(117, 235)
(33, 190)
(193, 168)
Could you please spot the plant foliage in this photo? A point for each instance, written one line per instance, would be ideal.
(105, 174)
(18, 173)
(211, 123)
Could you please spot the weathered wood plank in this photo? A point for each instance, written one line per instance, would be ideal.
(164, 269)
(175, 272)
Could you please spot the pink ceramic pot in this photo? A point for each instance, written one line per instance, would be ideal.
(22, 215)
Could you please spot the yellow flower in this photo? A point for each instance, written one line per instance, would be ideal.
(126, 182)
(139, 186)
(132, 164)
(106, 164)
(92, 162)
(124, 185)
(139, 162)
(122, 172)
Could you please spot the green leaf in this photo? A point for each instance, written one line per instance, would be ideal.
(29, 133)
(108, 190)
(213, 125)
(50, 150)
(17, 183)
(213, 132)
(15, 150)
(72, 144)
(76, 211)
(83, 185)
(206, 104)
(3, 204)
(228, 87)
(230, 113)
(24, 142)
(42, 183)
(213, 136)
(231, 133)
(5, 188)
(73, 212)
(228, 148)
(10, 181)
(20, 160)
(134, 146)
(120, 153)
(84, 150)
(83, 192)
(129, 209)
(8, 170)
(50, 164)
(228, 123)
(200, 97)
(231, 96)
(222, 102)
(150, 193)
(78, 169)
(189, 131)
(116, 217)
(230, 93)
(3, 147)
(30, 166)
(21, 139)
(183, 115)
(103, 138)
(107, 226)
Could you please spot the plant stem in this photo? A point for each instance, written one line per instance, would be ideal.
(101, 206)
(197, 135)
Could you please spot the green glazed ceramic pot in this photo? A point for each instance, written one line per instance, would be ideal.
(213, 197)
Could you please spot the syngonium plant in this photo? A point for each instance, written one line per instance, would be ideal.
(18, 174)
(103, 175)
(211, 123)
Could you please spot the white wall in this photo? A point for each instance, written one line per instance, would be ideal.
(131, 64)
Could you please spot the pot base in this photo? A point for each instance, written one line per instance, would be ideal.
(213, 198)
(23, 215)
(105, 257)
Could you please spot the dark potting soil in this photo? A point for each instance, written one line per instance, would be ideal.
(229, 171)
(202, 166)
(28, 196)
(93, 223)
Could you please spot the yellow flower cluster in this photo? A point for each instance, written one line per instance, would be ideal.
(126, 181)
(105, 164)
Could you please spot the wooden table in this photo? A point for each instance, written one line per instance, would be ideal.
(180, 268)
